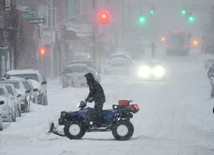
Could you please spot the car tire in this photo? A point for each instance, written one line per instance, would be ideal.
(28, 108)
(123, 130)
(18, 113)
(45, 100)
(1, 124)
(74, 130)
(14, 117)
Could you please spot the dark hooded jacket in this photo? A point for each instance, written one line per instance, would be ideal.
(96, 93)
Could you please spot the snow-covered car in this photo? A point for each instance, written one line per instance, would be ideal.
(92, 67)
(1, 124)
(81, 56)
(208, 63)
(15, 96)
(121, 55)
(151, 71)
(22, 88)
(73, 75)
(8, 108)
(33, 74)
(117, 66)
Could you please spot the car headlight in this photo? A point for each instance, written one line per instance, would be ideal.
(144, 71)
(159, 71)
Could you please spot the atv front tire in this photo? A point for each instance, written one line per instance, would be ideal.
(123, 130)
(74, 130)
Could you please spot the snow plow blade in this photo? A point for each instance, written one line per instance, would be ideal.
(54, 130)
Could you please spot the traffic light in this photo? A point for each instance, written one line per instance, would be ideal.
(163, 39)
(152, 10)
(141, 19)
(104, 17)
(184, 11)
(42, 51)
(190, 17)
(195, 42)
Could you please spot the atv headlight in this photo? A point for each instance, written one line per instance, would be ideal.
(159, 71)
(144, 71)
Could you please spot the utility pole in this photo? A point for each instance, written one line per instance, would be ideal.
(52, 40)
(93, 31)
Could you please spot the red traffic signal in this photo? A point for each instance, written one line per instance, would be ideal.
(104, 17)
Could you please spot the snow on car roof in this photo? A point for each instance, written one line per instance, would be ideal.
(77, 64)
(22, 71)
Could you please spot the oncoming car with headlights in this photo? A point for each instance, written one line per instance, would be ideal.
(152, 71)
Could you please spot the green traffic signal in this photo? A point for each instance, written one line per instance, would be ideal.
(152, 11)
(191, 18)
(142, 19)
(183, 11)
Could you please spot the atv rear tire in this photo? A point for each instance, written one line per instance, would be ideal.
(74, 130)
(123, 130)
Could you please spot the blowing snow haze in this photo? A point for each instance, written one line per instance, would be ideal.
(158, 59)
(168, 15)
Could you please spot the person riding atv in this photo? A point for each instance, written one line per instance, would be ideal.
(97, 95)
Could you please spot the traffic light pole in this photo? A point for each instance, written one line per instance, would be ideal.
(93, 31)
(199, 8)
(51, 48)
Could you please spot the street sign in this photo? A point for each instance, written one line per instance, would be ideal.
(37, 21)
(28, 15)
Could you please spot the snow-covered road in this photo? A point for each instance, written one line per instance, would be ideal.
(175, 116)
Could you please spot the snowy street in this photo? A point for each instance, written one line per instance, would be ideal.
(175, 116)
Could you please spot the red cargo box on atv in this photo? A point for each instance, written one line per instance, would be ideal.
(123, 102)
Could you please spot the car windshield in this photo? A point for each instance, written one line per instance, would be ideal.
(28, 76)
(15, 84)
(26, 85)
(118, 64)
(76, 69)
(1, 92)
(9, 89)
(88, 63)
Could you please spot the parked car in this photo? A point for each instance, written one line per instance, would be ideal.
(1, 124)
(208, 63)
(92, 67)
(122, 55)
(23, 88)
(117, 66)
(81, 56)
(35, 75)
(74, 75)
(15, 96)
(8, 108)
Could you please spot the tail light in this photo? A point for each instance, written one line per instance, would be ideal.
(135, 108)
(187, 46)
(167, 45)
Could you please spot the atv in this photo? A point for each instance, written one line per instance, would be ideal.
(117, 120)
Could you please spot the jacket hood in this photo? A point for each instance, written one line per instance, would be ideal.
(89, 77)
